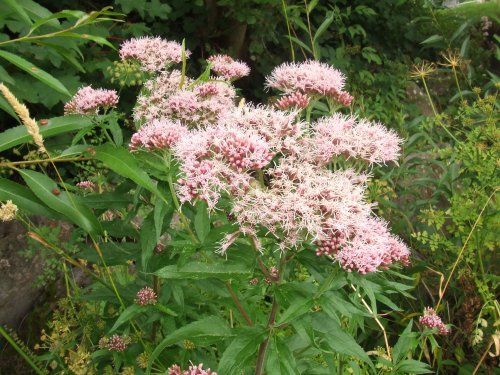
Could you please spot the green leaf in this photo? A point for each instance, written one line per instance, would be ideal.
(36, 72)
(241, 351)
(412, 366)
(149, 240)
(65, 203)
(280, 359)
(299, 307)
(202, 221)
(324, 26)
(121, 161)
(404, 344)
(98, 39)
(58, 125)
(338, 340)
(200, 271)
(433, 39)
(127, 314)
(16, 7)
(24, 199)
(202, 333)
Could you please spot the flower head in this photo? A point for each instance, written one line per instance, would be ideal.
(118, 343)
(431, 320)
(146, 296)
(310, 77)
(228, 68)
(86, 185)
(8, 211)
(87, 101)
(158, 135)
(153, 53)
(293, 100)
(193, 370)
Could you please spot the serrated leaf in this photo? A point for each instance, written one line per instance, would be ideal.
(202, 332)
(200, 271)
(202, 221)
(64, 203)
(412, 366)
(121, 161)
(241, 350)
(280, 360)
(338, 340)
(299, 307)
(58, 125)
(36, 72)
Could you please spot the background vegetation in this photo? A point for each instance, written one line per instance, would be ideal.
(428, 72)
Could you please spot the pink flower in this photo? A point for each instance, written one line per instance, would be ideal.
(343, 135)
(216, 159)
(153, 53)
(87, 101)
(228, 68)
(310, 77)
(273, 125)
(118, 343)
(193, 370)
(86, 185)
(158, 135)
(293, 100)
(431, 320)
(146, 296)
(196, 106)
(371, 246)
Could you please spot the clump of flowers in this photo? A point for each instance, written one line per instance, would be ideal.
(311, 78)
(88, 101)
(146, 296)
(86, 185)
(158, 135)
(8, 211)
(294, 100)
(431, 320)
(153, 53)
(193, 370)
(115, 343)
(228, 68)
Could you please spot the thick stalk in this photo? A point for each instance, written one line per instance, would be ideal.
(259, 367)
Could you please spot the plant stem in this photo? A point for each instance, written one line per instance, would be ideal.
(458, 85)
(183, 218)
(283, 4)
(259, 367)
(309, 29)
(21, 352)
(41, 161)
(238, 304)
(387, 347)
(464, 247)
(429, 97)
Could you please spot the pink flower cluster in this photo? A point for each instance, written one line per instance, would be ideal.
(217, 159)
(293, 100)
(311, 78)
(200, 105)
(153, 53)
(193, 370)
(158, 135)
(274, 168)
(228, 68)
(87, 101)
(86, 185)
(343, 135)
(146, 296)
(118, 343)
(431, 320)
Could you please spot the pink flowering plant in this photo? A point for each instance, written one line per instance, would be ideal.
(228, 237)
